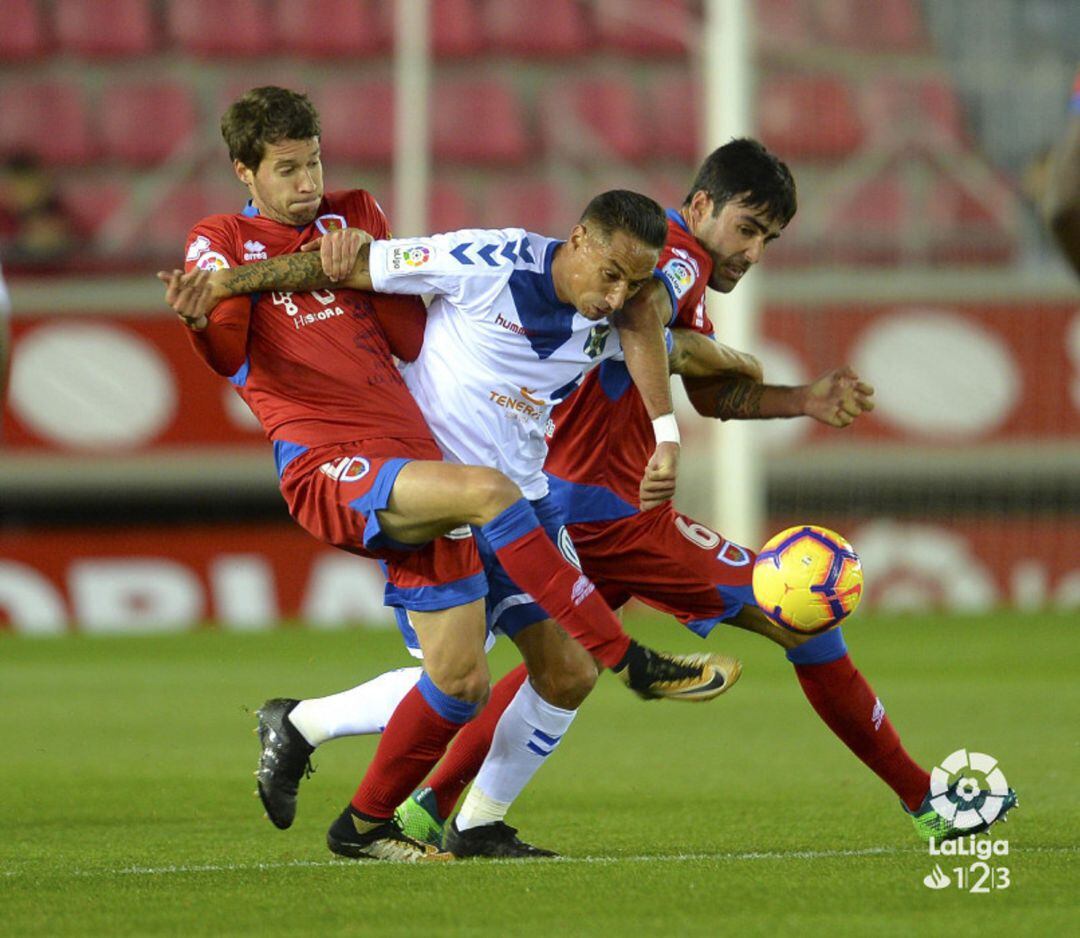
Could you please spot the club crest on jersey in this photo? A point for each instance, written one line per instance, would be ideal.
(327, 223)
(594, 344)
(346, 469)
(733, 555)
(680, 275)
(211, 260)
(254, 251)
(199, 246)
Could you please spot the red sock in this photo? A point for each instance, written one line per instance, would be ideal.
(464, 758)
(851, 709)
(413, 741)
(566, 594)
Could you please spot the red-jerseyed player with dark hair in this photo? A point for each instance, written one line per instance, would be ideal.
(360, 470)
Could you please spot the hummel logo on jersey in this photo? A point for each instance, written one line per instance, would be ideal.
(254, 251)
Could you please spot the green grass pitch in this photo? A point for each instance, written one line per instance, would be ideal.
(127, 805)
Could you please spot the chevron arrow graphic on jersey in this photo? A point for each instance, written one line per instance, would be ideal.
(508, 252)
(460, 253)
(485, 252)
(524, 251)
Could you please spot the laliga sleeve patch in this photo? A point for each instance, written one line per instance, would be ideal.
(680, 275)
(211, 260)
(199, 246)
(408, 257)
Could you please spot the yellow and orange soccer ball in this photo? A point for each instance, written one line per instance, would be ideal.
(807, 579)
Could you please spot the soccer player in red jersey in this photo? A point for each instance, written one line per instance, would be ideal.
(359, 469)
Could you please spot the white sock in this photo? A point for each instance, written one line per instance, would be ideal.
(527, 733)
(359, 711)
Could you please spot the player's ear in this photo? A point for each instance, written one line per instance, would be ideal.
(577, 236)
(244, 173)
(701, 204)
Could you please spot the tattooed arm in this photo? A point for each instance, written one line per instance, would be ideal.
(837, 398)
(297, 273)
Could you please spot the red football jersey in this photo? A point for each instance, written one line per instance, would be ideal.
(602, 435)
(317, 367)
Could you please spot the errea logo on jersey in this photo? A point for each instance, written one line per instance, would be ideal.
(254, 251)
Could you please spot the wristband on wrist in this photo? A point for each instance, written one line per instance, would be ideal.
(665, 429)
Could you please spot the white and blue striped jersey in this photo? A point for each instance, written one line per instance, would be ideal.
(500, 349)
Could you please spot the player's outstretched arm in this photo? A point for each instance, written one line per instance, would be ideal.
(697, 356)
(295, 273)
(218, 332)
(837, 398)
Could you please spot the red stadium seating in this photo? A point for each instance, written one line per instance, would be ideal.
(92, 203)
(146, 124)
(782, 24)
(872, 25)
(675, 118)
(105, 28)
(592, 117)
(925, 110)
(46, 119)
(455, 29)
(320, 29)
(357, 122)
(165, 230)
(649, 28)
(22, 35)
(478, 122)
(809, 116)
(222, 28)
(539, 206)
(450, 207)
(551, 29)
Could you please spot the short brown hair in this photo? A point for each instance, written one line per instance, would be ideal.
(264, 116)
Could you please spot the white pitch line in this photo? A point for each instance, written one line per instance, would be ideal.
(596, 861)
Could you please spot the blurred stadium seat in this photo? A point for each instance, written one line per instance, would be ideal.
(320, 29)
(105, 28)
(478, 121)
(594, 118)
(222, 28)
(48, 119)
(531, 30)
(450, 207)
(649, 28)
(872, 25)
(167, 225)
(357, 121)
(809, 115)
(783, 25)
(536, 205)
(22, 33)
(900, 108)
(675, 117)
(456, 29)
(143, 124)
(92, 201)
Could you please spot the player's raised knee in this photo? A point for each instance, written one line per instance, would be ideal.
(487, 492)
(567, 686)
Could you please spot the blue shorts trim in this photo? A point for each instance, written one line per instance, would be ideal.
(734, 597)
(436, 597)
(581, 504)
(821, 649)
(377, 498)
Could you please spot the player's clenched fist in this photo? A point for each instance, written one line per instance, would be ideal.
(658, 483)
(189, 295)
(838, 397)
(338, 250)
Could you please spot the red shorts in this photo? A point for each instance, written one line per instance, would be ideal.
(670, 562)
(336, 491)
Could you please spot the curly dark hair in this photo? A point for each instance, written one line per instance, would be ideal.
(264, 116)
